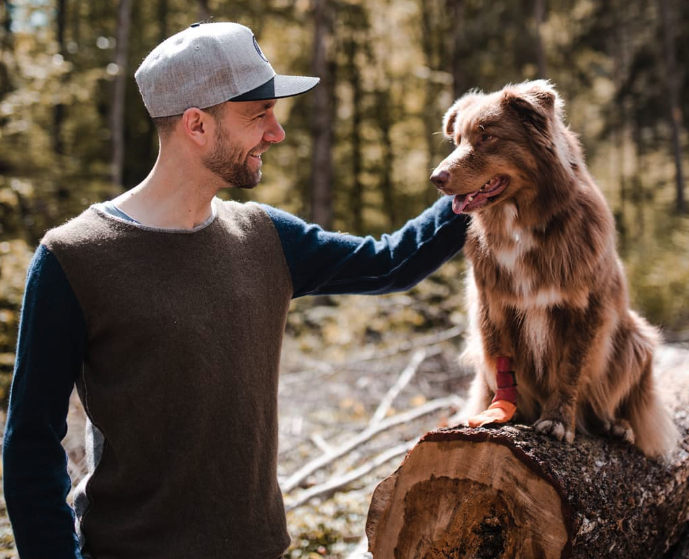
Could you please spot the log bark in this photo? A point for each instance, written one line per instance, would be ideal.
(508, 492)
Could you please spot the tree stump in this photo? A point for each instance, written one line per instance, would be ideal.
(500, 492)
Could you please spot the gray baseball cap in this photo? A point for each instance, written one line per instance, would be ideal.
(210, 63)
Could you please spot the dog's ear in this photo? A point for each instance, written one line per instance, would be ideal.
(449, 121)
(535, 102)
(460, 104)
(542, 94)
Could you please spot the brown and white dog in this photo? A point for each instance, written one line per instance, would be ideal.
(546, 287)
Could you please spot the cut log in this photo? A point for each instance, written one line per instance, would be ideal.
(506, 491)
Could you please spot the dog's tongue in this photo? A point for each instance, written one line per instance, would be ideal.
(461, 201)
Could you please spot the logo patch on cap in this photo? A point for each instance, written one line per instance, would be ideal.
(258, 50)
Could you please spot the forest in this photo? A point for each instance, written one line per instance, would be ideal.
(358, 152)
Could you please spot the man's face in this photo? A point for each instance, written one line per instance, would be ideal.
(236, 155)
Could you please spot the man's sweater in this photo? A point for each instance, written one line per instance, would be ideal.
(173, 340)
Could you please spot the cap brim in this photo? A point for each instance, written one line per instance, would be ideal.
(279, 87)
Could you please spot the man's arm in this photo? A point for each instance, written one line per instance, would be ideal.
(50, 350)
(322, 262)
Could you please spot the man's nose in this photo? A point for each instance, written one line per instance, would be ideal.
(275, 133)
(440, 178)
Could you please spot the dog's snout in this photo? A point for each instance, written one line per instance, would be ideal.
(440, 178)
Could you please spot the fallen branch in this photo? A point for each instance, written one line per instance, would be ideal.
(421, 342)
(406, 376)
(318, 369)
(321, 443)
(429, 407)
(331, 486)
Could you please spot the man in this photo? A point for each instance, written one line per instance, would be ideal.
(166, 308)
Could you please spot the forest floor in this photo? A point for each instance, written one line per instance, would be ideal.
(362, 378)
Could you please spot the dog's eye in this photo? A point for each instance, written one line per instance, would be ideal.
(486, 137)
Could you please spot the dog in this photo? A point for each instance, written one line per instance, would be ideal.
(546, 287)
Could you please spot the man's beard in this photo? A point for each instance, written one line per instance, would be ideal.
(226, 162)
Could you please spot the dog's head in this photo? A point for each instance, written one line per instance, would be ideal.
(510, 144)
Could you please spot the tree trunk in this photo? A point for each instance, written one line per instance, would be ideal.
(322, 126)
(636, 185)
(162, 19)
(59, 108)
(6, 46)
(431, 115)
(456, 10)
(163, 9)
(75, 22)
(616, 53)
(204, 10)
(384, 100)
(6, 26)
(507, 492)
(123, 24)
(357, 191)
(673, 98)
(539, 13)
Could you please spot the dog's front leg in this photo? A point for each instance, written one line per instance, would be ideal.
(558, 418)
(573, 331)
(558, 412)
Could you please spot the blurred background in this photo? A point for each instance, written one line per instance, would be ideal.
(361, 146)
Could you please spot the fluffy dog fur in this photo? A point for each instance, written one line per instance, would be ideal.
(546, 287)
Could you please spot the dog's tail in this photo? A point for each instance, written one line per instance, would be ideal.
(654, 429)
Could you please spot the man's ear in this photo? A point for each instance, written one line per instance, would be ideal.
(196, 125)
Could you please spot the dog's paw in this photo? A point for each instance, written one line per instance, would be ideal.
(555, 429)
(620, 429)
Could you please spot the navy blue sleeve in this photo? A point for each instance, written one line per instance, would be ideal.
(52, 335)
(327, 263)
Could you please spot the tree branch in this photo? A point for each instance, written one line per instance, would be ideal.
(300, 475)
(331, 486)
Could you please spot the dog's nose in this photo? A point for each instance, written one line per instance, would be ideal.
(440, 178)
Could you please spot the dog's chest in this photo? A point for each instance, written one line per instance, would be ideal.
(516, 289)
(509, 257)
(511, 267)
(513, 264)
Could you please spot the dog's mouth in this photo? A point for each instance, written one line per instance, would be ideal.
(463, 203)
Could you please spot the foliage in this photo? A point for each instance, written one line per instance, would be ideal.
(321, 531)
